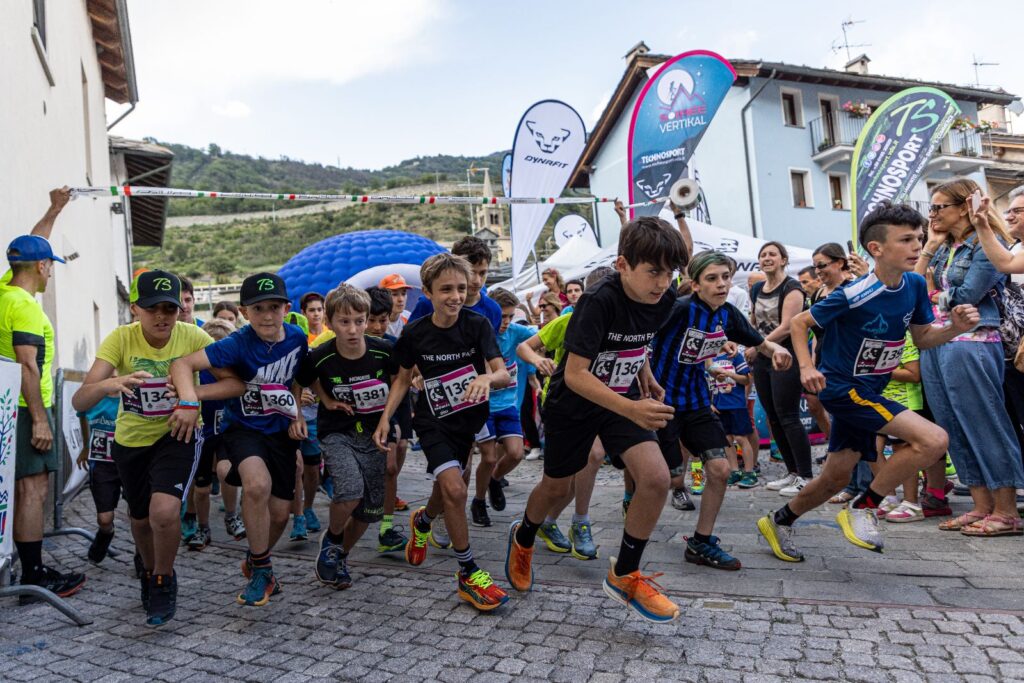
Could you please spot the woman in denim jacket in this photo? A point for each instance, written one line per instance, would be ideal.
(963, 378)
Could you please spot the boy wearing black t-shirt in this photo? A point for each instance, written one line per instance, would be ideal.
(351, 375)
(457, 354)
(604, 388)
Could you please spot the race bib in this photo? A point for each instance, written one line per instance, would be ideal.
(268, 399)
(724, 385)
(218, 421)
(446, 393)
(877, 357)
(100, 443)
(369, 396)
(618, 369)
(151, 399)
(698, 346)
(513, 372)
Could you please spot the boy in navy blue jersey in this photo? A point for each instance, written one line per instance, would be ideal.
(259, 453)
(731, 375)
(698, 327)
(866, 324)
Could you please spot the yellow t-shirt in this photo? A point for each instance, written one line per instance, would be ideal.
(142, 418)
(23, 323)
(324, 337)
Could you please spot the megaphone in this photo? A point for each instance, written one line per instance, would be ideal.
(684, 193)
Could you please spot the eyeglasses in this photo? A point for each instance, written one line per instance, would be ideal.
(1016, 211)
(935, 208)
(823, 266)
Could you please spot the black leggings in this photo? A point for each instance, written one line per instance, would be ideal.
(779, 392)
(526, 411)
(1013, 393)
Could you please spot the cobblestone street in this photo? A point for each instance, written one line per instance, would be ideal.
(937, 606)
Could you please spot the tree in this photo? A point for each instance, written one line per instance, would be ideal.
(221, 266)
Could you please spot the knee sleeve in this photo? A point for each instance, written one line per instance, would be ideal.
(712, 454)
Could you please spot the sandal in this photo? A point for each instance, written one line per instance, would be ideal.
(841, 498)
(958, 523)
(995, 525)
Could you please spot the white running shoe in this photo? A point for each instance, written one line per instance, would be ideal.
(860, 527)
(439, 534)
(534, 454)
(794, 488)
(780, 484)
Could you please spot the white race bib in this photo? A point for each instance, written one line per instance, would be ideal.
(724, 385)
(369, 396)
(150, 399)
(100, 445)
(513, 371)
(446, 394)
(698, 346)
(268, 399)
(878, 357)
(618, 369)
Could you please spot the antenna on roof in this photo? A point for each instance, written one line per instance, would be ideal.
(845, 45)
(976, 63)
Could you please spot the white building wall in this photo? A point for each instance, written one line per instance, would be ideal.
(54, 135)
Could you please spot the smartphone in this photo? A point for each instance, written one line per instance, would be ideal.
(976, 201)
(849, 247)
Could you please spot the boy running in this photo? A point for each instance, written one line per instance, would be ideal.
(731, 376)
(604, 388)
(865, 324)
(456, 353)
(98, 425)
(260, 454)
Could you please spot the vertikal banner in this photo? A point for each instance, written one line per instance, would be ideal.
(506, 175)
(548, 143)
(674, 109)
(895, 145)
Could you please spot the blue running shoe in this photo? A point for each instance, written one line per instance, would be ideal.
(710, 554)
(261, 586)
(583, 547)
(312, 521)
(299, 528)
(553, 538)
(343, 579)
(327, 562)
(163, 599)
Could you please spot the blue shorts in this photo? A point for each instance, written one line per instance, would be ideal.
(503, 424)
(857, 417)
(736, 421)
(310, 448)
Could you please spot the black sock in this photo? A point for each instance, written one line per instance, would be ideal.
(334, 538)
(190, 516)
(526, 534)
(423, 521)
(477, 501)
(784, 516)
(630, 552)
(869, 499)
(261, 560)
(31, 555)
(701, 538)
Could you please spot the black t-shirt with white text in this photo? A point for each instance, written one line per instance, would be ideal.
(363, 383)
(449, 358)
(612, 331)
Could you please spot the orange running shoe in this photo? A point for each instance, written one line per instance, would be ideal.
(518, 561)
(416, 548)
(641, 593)
(479, 590)
(400, 505)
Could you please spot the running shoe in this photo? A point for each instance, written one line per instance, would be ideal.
(478, 510)
(391, 541)
(681, 499)
(189, 527)
(796, 487)
(439, 534)
(479, 590)
(950, 470)
(933, 507)
(261, 586)
(62, 585)
(401, 505)
(780, 484)
(312, 521)
(748, 480)
(710, 554)
(100, 545)
(518, 561)
(583, 547)
(773, 451)
(780, 539)
(641, 593)
(163, 599)
(553, 538)
(343, 579)
(697, 479)
(860, 527)
(200, 539)
(235, 527)
(905, 512)
(888, 504)
(504, 482)
(328, 560)
(299, 529)
(327, 486)
(416, 548)
(734, 478)
(496, 495)
(534, 454)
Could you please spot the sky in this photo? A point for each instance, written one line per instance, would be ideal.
(367, 85)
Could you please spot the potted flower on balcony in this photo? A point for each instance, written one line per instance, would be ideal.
(984, 126)
(963, 124)
(857, 110)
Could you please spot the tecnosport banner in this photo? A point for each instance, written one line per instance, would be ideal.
(10, 387)
(506, 175)
(674, 109)
(548, 143)
(895, 145)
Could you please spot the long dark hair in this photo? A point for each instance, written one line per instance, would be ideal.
(833, 251)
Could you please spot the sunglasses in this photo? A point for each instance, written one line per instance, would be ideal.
(935, 208)
(823, 266)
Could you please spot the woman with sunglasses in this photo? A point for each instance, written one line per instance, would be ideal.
(963, 378)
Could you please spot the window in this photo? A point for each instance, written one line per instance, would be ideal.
(39, 19)
(792, 108)
(494, 219)
(87, 123)
(837, 184)
(800, 183)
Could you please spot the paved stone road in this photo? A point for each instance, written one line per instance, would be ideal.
(937, 606)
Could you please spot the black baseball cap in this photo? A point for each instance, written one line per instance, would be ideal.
(262, 287)
(154, 287)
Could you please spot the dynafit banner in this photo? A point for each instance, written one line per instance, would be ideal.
(895, 146)
(671, 115)
(506, 175)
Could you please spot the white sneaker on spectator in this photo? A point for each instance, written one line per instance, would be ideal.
(794, 488)
(534, 454)
(780, 484)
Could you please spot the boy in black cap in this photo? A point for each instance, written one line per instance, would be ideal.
(261, 456)
(155, 468)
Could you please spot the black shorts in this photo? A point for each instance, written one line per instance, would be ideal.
(213, 450)
(444, 447)
(735, 421)
(568, 440)
(167, 466)
(403, 418)
(277, 451)
(699, 430)
(105, 485)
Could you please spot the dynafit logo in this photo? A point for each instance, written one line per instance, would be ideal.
(676, 91)
(265, 284)
(548, 140)
(654, 190)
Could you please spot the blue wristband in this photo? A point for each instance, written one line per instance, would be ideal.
(188, 404)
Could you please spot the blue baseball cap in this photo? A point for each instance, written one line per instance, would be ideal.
(31, 248)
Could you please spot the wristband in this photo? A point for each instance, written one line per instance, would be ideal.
(679, 215)
(929, 254)
(189, 405)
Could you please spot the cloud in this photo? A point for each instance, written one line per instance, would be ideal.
(232, 110)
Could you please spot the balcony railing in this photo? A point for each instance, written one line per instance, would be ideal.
(966, 143)
(838, 128)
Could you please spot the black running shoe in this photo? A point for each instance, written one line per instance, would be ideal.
(61, 585)
(478, 509)
(496, 494)
(99, 546)
(163, 599)
(391, 541)
(504, 482)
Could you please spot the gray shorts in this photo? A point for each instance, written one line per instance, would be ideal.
(358, 468)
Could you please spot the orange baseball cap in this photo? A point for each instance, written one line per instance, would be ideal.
(394, 281)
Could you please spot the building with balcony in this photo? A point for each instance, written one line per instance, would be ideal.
(775, 161)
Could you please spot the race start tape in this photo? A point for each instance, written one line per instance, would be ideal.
(141, 191)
